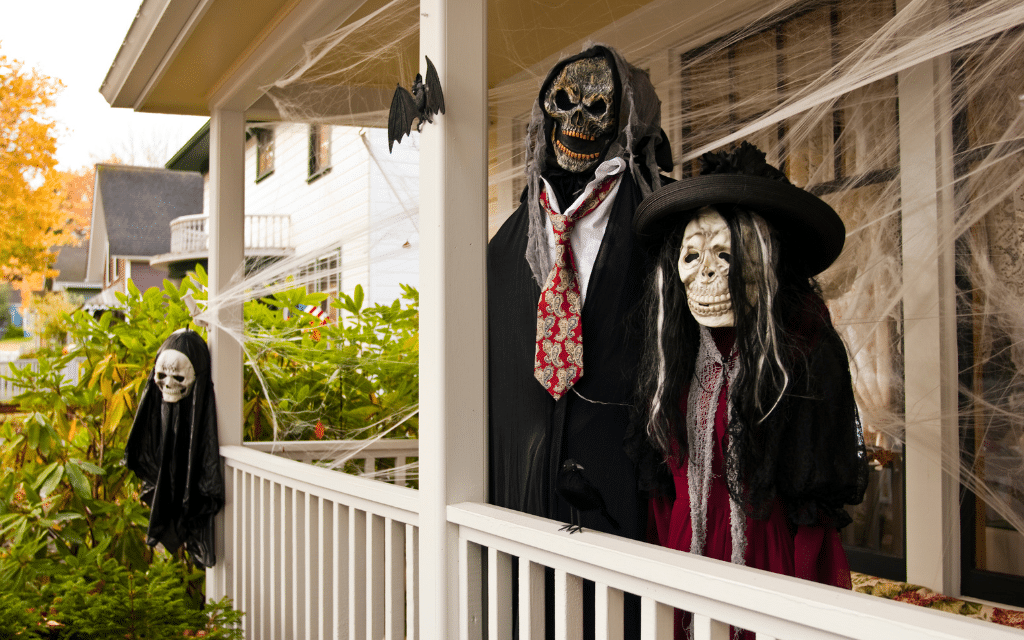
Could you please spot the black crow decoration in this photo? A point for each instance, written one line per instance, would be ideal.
(581, 495)
(422, 103)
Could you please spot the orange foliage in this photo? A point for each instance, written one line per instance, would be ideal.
(76, 203)
(30, 187)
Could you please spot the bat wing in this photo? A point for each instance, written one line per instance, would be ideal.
(435, 98)
(400, 118)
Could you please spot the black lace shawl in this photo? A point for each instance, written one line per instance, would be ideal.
(808, 453)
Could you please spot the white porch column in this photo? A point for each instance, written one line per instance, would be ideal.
(227, 191)
(453, 236)
(929, 313)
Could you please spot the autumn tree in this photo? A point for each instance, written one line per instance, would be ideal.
(31, 220)
(76, 203)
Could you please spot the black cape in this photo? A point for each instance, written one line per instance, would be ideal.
(531, 433)
(179, 464)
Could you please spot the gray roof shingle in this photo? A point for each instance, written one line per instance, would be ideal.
(140, 202)
(71, 262)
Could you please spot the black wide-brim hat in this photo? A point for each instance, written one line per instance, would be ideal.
(811, 232)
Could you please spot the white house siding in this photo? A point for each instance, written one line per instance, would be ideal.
(394, 216)
(371, 214)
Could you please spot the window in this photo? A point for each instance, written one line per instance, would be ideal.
(324, 276)
(264, 153)
(319, 150)
(991, 367)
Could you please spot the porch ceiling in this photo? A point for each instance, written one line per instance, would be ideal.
(182, 56)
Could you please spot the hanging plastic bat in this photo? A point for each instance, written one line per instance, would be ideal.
(422, 103)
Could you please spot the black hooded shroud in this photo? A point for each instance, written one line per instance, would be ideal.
(173, 448)
(531, 433)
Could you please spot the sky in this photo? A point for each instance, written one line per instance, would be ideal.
(76, 42)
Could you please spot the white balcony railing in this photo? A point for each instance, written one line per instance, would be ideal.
(315, 553)
(191, 234)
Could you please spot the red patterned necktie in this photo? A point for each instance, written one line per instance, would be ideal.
(558, 360)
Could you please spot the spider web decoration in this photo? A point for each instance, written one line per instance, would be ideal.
(906, 117)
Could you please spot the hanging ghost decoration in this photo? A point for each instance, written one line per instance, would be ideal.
(174, 449)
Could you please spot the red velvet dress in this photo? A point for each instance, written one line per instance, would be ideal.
(809, 552)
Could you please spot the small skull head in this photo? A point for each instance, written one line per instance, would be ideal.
(580, 101)
(704, 259)
(174, 375)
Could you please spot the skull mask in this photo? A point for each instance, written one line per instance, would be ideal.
(580, 101)
(174, 375)
(704, 259)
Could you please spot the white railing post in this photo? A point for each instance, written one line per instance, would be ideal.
(453, 223)
(227, 202)
(929, 334)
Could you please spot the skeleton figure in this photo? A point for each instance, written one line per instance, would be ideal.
(581, 101)
(174, 375)
(704, 258)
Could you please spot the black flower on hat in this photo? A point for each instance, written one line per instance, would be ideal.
(745, 159)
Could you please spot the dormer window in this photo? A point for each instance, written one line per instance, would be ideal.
(264, 153)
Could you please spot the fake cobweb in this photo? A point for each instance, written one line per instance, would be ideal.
(906, 117)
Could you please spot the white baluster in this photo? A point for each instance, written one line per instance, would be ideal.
(568, 606)
(470, 606)
(310, 543)
(531, 600)
(394, 580)
(705, 628)
(499, 595)
(608, 612)
(412, 583)
(325, 564)
(655, 619)
(357, 574)
(374, 576)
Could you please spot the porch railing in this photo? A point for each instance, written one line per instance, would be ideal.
(191, 234)
(314, 553)
(365, 453)
(7, 387)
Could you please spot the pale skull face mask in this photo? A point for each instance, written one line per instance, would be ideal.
(704, 258)
(580, 101)
(174, 375)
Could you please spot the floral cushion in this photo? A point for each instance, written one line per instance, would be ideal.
(924, 597)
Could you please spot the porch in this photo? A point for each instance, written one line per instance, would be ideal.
(315, 553)
(311, 552)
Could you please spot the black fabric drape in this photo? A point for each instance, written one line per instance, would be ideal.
(531, 433)
(174, 449)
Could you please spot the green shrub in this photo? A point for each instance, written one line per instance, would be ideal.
(357, 378)
(74, 564)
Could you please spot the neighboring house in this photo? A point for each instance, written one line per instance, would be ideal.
(71, 267)
(307, 185)
(132, 209)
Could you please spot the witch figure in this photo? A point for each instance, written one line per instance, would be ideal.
(750, 439)
(173, 448)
